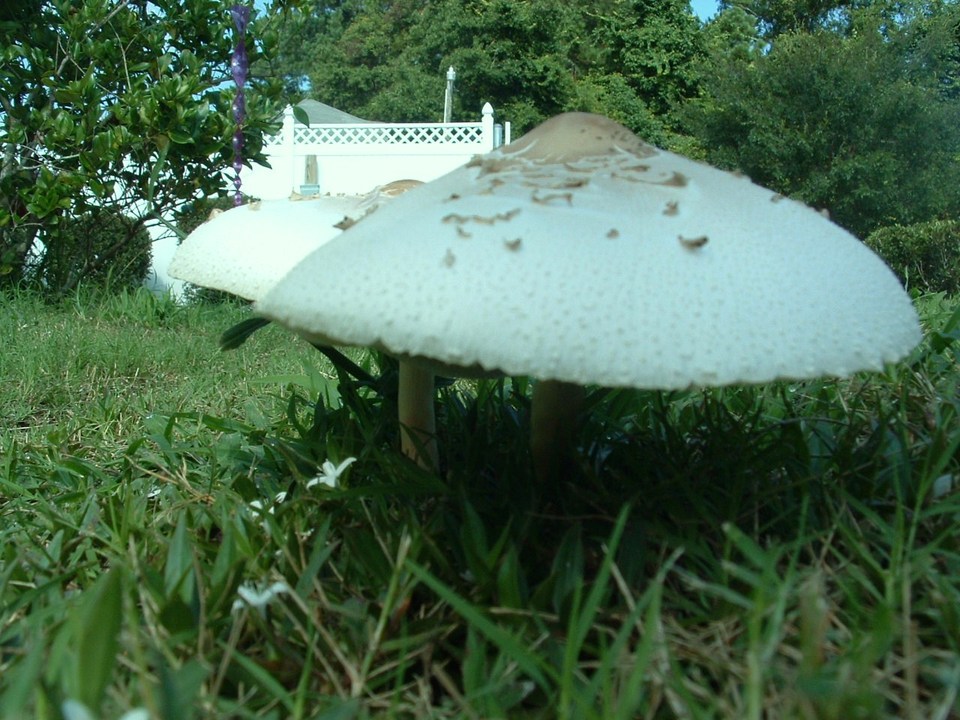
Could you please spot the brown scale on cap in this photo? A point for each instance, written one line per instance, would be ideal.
(575, 136)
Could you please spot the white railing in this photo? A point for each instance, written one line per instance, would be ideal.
(377, 134)
(355, 157)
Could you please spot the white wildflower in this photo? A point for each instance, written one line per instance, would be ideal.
(258, 508)
(330, 474)
(252, 596)
(942, 486)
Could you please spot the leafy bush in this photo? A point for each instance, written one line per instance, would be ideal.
(119, 106)
(101, 248)
(925, 256)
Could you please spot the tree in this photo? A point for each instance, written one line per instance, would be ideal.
(777, 17)
(855, 122)
(387, 60)
(646, 62)
(120, 106)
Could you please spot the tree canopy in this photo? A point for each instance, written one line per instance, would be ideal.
(118, 106)
(850, 105)
(387, 61)
(855, 113)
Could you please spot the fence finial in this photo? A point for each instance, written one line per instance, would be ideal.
(448, 96)
(486, 122)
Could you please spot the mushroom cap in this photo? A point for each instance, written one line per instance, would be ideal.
(246, 249)
(581, 254)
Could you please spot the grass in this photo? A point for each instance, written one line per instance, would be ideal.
(781, 551)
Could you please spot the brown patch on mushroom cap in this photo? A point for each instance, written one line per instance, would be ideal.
(481, 219)
(677, 180)
(398, 187)
(573, 136)
(693, 243)
(553, 198)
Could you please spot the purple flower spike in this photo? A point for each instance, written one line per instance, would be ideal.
(239, 108)
(241, 17)
(239, 64)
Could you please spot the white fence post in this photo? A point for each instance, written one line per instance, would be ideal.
(287, 143)
(487, 122)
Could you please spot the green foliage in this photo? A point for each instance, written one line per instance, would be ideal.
(925, 256)
(654, 46)
(100, 248)
(387, 61)
(777, 17)
(115, 107)
(845, 123)
(788, 550)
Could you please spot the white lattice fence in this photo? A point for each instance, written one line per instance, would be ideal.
(393, 134)
(355, 157)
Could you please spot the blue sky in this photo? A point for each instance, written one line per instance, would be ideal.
(704, 9)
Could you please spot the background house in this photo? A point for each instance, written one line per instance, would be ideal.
(340, 154)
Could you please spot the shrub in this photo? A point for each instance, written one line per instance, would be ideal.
(101, 248)
(15, 243)
(925, 256)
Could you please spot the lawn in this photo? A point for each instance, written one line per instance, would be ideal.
(789, 550)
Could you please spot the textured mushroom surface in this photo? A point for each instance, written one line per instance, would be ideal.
(245, 250)
(581, 254)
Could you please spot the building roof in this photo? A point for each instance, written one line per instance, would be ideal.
(321, 113)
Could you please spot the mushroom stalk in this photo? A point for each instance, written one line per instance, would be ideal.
(553, 424)
(418, 424)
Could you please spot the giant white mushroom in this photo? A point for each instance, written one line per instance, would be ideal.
(247, 249)
(581, 255)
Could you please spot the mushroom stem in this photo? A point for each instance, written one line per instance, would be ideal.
(553, 424)
(418, 424)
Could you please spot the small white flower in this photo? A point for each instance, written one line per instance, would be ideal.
(942, 486)
(330, 473)
(75, 710)
(253, 597)
(257, 507)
